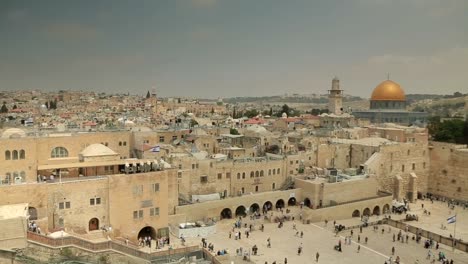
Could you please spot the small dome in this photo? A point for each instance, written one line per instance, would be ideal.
(388, 91)
(13, 133)
(97, 150)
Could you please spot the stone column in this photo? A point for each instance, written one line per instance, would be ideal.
(413, 188)
(397, 188)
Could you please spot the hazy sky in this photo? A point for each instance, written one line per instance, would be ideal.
(224, 48)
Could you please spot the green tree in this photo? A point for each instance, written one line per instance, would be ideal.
(233, 131)
(251, 113)
(4, 108)
(148, 95)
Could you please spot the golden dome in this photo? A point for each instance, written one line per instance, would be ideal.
(388, 91)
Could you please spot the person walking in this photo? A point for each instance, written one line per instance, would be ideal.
(285, 260)
(365, 240)
(317, 255)
(393, 250)
(358, 248)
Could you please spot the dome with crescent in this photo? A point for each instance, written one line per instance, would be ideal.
(388, 91)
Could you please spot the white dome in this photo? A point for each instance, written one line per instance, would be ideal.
(13, 133)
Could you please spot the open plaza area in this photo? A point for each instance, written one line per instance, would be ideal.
(321, 238)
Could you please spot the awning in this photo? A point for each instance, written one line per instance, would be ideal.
(85, 164)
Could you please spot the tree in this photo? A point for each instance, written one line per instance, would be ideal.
(234, 113)
(251, 113)
(452, 131)
(271, 111)
(15, 107)
(4, 108)
(148, 95)
(212, 110)
(193, 123)
(233, 131)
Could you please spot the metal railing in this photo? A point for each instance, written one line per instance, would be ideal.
(457, 243)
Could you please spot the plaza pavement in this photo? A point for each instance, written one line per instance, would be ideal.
(320, 238)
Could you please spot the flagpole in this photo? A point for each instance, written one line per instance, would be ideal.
(454, 230)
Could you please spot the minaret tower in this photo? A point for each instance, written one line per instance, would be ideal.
(335, 98)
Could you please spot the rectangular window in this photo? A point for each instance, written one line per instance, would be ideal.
(228, 175)
(193, 166)
(125, 143)
(204, 179)
(180, 166)
(179, 174)
(67, 205)
(402, 168)
(155, 187)
(161, 139)
(98, 200)
(154, 211)
(174, 137)
(137, 190)
(424, 165)
(140, 214)
(61, 205)
(414, 166)
(135, 214)
(91, 201)
(220, 176)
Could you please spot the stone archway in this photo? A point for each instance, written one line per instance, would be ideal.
(226, 213)
(386, 209)
(366, 212)
(267, 206)
(32, 211)
(307, 202)
(376, 210)
(356, 213)
(241, 211)
(147, 231)
(254, 208)
(292, 201)
(280, 203)
(93, 224)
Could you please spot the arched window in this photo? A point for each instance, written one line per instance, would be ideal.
(15, 154)
(278, 171)
(251, 174)
(59, 152)
(22, 154)
(261, 173)
(257, 174)
(238, 176)
(243, 175)
(7, 155)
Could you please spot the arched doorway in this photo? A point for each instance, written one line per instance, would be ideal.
(93, 224)
(366, 212)
(386, 209)
(292, 201)
(280, 203)
(226, 213)
(267, 206)
(307, 202)
(254, 208)
(241, 211)
(147, 231)
(376, 210)
(356, 213)
(32, 213)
